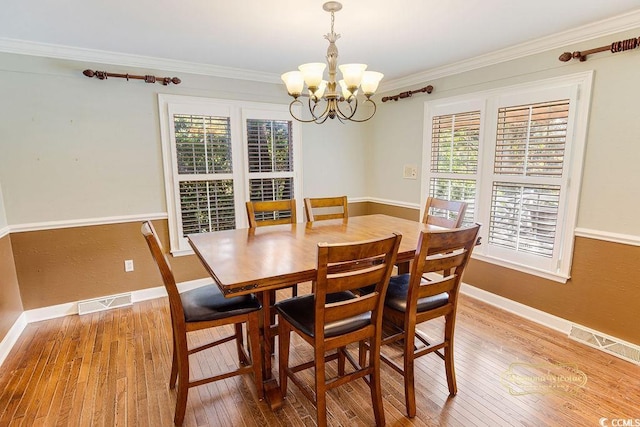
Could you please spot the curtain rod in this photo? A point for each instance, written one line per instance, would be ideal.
(615, 47)
(407, 94)
(102, 75)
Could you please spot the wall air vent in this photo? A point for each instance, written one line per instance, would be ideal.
(613, 346)
(104, 303)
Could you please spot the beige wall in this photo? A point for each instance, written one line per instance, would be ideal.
(611, 174)
(10, 302)
(70, 264)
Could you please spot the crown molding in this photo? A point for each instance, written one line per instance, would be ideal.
(602, 28)
(606, 27)
(23, 47)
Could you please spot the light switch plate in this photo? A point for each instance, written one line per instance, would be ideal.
(410, 172)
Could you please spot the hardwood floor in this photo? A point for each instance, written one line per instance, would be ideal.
(112, 368)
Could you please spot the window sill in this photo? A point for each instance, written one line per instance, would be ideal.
(556, 277)
(182, 252)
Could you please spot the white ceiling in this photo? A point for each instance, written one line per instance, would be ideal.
(399, 38)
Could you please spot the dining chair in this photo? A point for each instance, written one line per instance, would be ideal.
(444, 213)
(321, 208)
(425, 294)
(203, 308)
(334, 317)
(271, 212)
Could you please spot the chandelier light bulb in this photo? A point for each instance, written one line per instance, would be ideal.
(352, 74)
(312, 73)
(370, 82)
(320, 91)
(294, 82)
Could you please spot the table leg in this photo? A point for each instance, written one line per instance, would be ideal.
(270, 384)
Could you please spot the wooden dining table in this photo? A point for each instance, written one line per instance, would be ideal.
(260, 260)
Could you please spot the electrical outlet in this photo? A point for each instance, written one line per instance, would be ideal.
(128, 265)
(410, 172)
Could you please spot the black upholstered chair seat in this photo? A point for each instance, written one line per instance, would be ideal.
(300, 313)
(208, 303)
(398, 289)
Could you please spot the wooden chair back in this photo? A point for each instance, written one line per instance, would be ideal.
(444, 213)
(175, 304)
(271, 212)
(351, 266)
(446, 251)
(321, 208)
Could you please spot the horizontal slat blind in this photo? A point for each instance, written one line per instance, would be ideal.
(207, 206)
(531, 139)
(270, 146)
(262, 189)
(454, 189)
(524, 217)
(454, 145)
(203, 144)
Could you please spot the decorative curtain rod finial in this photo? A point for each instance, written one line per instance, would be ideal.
(102, 75)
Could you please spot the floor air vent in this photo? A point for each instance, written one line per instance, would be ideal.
(104, 303)
(607, 344)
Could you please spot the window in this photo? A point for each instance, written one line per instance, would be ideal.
(515, 155)
(454, 158)
(217, 155)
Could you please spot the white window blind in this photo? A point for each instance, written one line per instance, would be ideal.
(203, 152)
(454, 158)
(517, 152)
(530, 142)
(271, 165)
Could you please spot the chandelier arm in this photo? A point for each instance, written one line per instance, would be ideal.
(352, 109)
(297, 101)
(372, 113)
(323, 116)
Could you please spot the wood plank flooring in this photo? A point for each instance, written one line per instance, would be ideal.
(112, 368)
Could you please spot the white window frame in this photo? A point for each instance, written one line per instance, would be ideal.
(576, 88)
(238, 112)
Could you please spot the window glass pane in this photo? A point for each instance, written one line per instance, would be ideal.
(531, 139)
(454, 146)
(524, 217)
(207, 206)
(203, 144)
(270, 145)
(271, 189)
(455, 189)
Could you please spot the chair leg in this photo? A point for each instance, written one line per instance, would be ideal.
(253, 332)
(341, 360)
(183, 386)
(284, 338)
(448, 356)
(409, 385)
(240, 344)
(174, 367)
(321, 388)
(294, 291)
(374, 383)
(362, 353)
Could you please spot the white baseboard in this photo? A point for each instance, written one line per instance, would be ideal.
(538, 316)
(12, 336)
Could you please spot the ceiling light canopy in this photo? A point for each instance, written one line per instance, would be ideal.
(330, 99)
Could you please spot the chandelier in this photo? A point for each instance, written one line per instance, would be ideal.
(325, 102)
